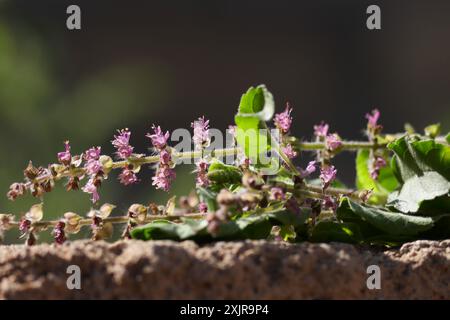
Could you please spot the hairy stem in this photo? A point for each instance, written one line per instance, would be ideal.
(116, 220)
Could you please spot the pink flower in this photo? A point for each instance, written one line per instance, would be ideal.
(321, 130)
(201, 132)
(165, 157)
(328, 175)
(93, 167)
(333, 142)
(310, 169)
(158, 138)
(276, 193)
(59, 233)
(373, 118)
(202, 207)
(365, 195)
(93, 153)
(283, 121)
(163, 177)
(65, 157)
(122, 144)
(329, 203)
(127, 177)
(289, 151)
(24, 225)
(377, 163)
(92, 189)
(202, 171)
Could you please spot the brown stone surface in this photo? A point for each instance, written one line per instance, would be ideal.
(224, 270)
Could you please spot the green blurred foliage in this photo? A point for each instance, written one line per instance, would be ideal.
(39, 110)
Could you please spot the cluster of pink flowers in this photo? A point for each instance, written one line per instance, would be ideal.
(91, 187)
(201, 133)
(327, 175)
(65, 157)
(123, 151)
(376, 164)
(289, 151)
(202, 207)
(122, 144)
(283, 122)
(59, 233)
(201, 140)
(93, 165)
(372, 118)
(93, 169)
(332, 141)
(373, 128)
(310, 169)
(158, 138)
(329, 203)
(164, 173)
(202, 174)
(128, 176)
(321, 130)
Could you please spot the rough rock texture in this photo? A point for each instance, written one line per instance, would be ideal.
(224, 270)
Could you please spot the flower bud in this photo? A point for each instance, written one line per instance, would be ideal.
(102, 231)
(72, 221)
(58, 232)
(226, 197)
(184, 203)
(252, 181)
(16, 190)
(73, 184)
(154, 209)
(138, 212)
(31, 239)
(250, 198)
(107, 163)
(36, 213)
(37, 190)
(5, 221)
(31, 172)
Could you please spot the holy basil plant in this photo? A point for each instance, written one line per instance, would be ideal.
(256, 187)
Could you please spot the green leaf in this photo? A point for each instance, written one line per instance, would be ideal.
(435, 155)
(392, 223)
(166, 230)
(447, 138)
(220, 173)
(328, 231)
(257, 102)
(255, 226)
(385, 183)
(433, 130)
(424, 168)
(256, 106)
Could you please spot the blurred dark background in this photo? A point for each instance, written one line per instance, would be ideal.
(135, 63)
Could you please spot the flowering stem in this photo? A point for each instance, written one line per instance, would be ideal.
(117, 220)
(346, 145)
